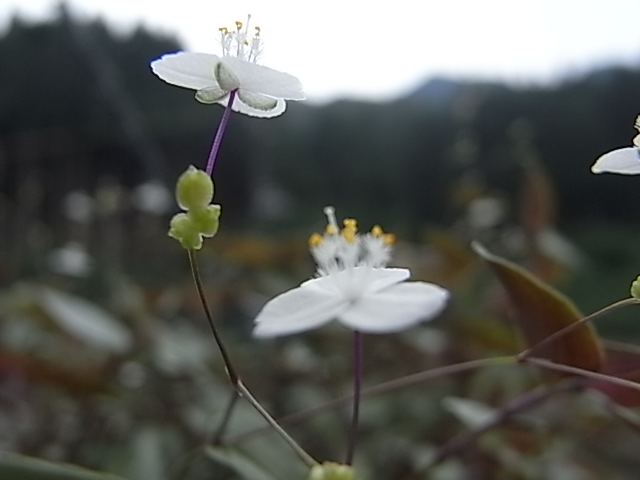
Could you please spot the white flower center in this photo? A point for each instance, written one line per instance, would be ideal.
(340, 249)
(241, 42)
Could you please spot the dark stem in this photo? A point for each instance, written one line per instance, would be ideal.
(517, 405)
(220, 431)
(233, 377)
(217, 140)
(357, 387)
(239, 387)
(381, 388)
(563, 331)
(559, 367)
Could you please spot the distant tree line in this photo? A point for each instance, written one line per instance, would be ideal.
(78, 103)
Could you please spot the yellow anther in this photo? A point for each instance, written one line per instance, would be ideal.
(330, 229)
(223, 30)
(350, 230)
(238, 25)
(350, 223)
(389, 238)
(315, 240)
(376, 231)
(257, 29)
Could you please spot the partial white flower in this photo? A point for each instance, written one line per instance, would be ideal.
(260, 91)
(353, 286)
(623, 160)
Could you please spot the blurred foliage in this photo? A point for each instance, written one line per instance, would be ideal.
(105, 357)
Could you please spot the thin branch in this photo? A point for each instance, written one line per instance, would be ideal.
(379, 389)
(237, 384)
(517, 405)
(559, 367)
(563, 331)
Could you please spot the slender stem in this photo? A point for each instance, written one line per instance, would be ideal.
(237, 384)
(233, 377)
(226, 417)
(559, 367)
(357, 387)
(381, 388)
(244, 391)
(563, 331)
(217, 140)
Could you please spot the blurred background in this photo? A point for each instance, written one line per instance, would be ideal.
(452, 125)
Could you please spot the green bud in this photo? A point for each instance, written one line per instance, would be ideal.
(194, 189)
(635, 288)
(181, 228)
(206, 220)
(331, 471)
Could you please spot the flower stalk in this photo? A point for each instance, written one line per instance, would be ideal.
(357, 388)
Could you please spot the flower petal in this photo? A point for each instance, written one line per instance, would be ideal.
(187, 69)
(624, 160)
(381, 278)
(395, 308)
(260, 79)
(297, 310)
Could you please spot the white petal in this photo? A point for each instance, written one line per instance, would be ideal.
(359, 280)
(624, 160)
(381, 278)
(185, 69)
(297, 310)
(396, 308)
(260, 79)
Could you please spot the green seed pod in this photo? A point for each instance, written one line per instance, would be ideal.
(206, 220)
(182, 229)
(194, 189)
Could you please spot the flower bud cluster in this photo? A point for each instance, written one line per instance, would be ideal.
(194, 193)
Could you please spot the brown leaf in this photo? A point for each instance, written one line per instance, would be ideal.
(540, 310)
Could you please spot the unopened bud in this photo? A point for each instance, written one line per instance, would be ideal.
(194, 189)
(183, 229)
(206, 219)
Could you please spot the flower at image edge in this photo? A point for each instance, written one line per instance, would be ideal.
(354, 287)
(625, 160)
(261, 91)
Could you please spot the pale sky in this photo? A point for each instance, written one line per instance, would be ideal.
(380, 50)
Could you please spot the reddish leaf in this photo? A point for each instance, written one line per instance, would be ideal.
(623, 361)
(540, 310)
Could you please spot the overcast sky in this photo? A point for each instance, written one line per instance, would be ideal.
(353, 48)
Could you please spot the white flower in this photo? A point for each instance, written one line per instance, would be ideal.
(260, 91)
(623, 160)
(353, 287)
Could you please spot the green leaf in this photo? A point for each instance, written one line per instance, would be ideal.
(239, 463)
(20, 467)
(540, 311)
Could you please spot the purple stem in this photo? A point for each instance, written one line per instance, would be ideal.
(220, 133)
(357, 387)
